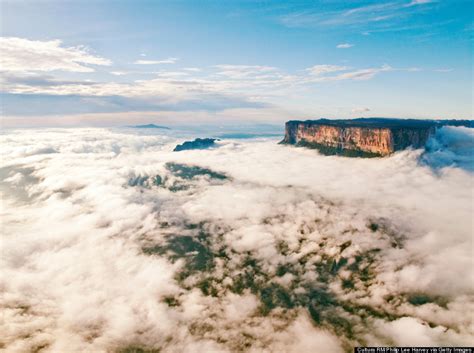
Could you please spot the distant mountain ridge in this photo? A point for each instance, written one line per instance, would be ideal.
(149, 126)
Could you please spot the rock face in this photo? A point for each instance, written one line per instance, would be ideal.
(369, 137)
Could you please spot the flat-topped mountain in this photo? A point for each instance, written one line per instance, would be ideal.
(364, 137)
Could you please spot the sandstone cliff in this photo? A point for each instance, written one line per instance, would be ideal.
(363, 137)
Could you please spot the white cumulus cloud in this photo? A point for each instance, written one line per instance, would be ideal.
(24, 55)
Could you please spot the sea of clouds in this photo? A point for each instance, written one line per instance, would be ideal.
(111, 242)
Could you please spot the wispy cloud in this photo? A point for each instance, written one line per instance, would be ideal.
(10, 80)
(419, 2)
(356, 75)
(172, 74)
(344, 45)
(243, 71)
(192, 69)
(364, 74)
(378, 15)
(360, 110)
(249, 82)
(444, 70)
(119, 73)
(318, 70)
(24, 55)
(156, 62)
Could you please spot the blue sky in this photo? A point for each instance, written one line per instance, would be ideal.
(116, 62)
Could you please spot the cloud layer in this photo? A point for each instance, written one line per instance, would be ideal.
(113, 242)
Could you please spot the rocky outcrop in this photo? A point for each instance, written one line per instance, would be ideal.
(197, 144)
(369, 137)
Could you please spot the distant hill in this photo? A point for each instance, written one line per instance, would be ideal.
(149, 126)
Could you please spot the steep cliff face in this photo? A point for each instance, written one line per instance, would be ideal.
(359, 137)
(354, 138)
